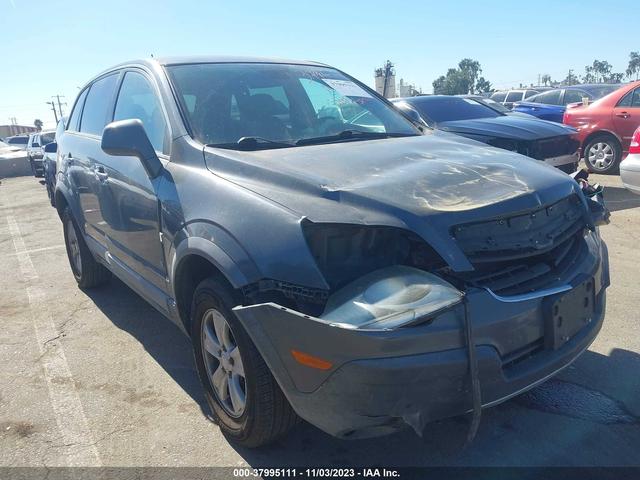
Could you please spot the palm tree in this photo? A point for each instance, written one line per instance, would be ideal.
(634, 65)
(38, 124)
(546, 79)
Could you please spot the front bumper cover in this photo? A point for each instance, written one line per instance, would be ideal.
(381, 381)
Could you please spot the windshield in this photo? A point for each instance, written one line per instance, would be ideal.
(495, 105)
(446, 109)
(47, 138)
(225, 102)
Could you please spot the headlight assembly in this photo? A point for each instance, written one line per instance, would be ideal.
(389, 298)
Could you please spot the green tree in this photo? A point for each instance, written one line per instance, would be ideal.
(483, 85)
(600, 72)
(38, 124)
(455, 82)
(634, 65)
(470, 69)
(461, 80)
(570, 79)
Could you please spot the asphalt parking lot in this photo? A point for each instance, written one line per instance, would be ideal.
(100, 378)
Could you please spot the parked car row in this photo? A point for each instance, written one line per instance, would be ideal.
(546, 141)
(509, 97)
(603, 118)
(331, 257)
(552, 104)
(606, 127)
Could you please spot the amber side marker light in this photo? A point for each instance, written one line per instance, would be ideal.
(311, 361)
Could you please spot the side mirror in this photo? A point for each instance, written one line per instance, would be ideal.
(51, 147)
(127, 138)
(413, 114)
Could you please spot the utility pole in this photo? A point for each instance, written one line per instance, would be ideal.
(57, 97)
(53, 107)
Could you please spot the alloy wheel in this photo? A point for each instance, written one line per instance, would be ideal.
(601, 155)
(74, 248)
(223, 363)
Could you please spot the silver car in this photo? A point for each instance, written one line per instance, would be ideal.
(630, 166)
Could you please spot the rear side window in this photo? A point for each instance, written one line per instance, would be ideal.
(137, 99)
(514, 96)
(573, 96)
(97, 105)
(74, 120)
(498, 96)
(551, 97)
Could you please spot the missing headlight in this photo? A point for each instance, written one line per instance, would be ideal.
(345, 252)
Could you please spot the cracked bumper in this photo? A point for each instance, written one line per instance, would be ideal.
(381, 381)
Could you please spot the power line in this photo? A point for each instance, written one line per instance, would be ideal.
(53, 107)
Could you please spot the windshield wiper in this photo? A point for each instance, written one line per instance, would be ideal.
(350, 135)
(252, 143)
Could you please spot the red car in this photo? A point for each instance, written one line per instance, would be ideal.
(606, 126)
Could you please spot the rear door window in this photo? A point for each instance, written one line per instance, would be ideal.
(498, 96)
(551, 97)
(97, 105)
(514, 96)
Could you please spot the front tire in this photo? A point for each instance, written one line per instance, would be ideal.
(87, 272)
(603, 154)
(245, 399)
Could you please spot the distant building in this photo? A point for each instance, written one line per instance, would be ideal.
(386, 80)
(407, 89)
(10, 130)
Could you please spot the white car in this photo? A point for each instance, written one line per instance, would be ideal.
(630, 166)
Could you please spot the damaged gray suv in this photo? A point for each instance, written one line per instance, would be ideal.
(330, 260)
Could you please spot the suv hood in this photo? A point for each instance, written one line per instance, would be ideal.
(425, 184)
(508, 126)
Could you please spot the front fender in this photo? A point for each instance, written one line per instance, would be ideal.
(217, 246)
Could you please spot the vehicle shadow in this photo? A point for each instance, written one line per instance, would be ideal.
(161, 338)
(594, 403)
(588, 404)
(619, 198)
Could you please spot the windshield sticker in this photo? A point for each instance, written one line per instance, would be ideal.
(346, 88)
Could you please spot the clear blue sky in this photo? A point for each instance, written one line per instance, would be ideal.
(52, 47)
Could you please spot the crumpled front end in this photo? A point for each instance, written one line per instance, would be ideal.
(386, 353)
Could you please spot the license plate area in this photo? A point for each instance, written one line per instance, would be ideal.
(566, 313)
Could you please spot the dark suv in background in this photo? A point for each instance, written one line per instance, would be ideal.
(329, 259)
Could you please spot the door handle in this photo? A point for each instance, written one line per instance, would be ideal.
(623, 114)
(100, 173)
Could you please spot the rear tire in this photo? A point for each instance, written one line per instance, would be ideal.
(603, 154)
(264, 414)
(87, 272)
